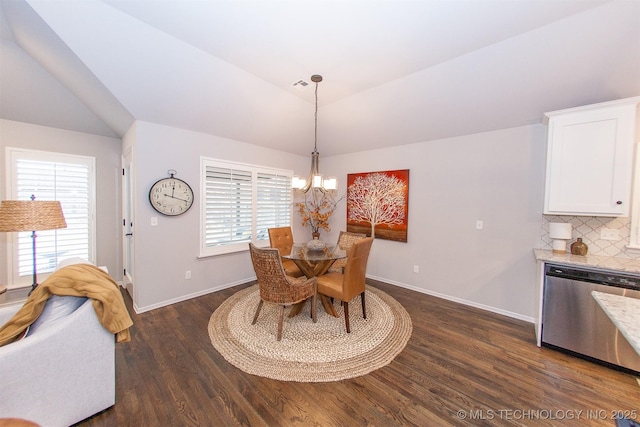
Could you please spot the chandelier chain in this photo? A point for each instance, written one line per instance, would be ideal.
(315, 142)
(315, 181)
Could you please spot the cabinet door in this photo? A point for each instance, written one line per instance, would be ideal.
(590, 162)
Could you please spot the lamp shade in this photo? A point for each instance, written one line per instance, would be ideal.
(330, 183)
(31, 215)
(560, 230)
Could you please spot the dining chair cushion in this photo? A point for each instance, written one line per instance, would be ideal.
(347, 286)
(291, 269)
(281, 238)
(350, 284)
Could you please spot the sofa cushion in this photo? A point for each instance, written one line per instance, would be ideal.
(55, 308)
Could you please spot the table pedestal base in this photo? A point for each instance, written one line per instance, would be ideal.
(326, 303)
(314, 269)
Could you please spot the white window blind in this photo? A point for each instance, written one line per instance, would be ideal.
(274, 203)
(228, 206)
(52, 176)
(240, 203)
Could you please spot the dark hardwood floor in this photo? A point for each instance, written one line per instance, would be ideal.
(462, 366)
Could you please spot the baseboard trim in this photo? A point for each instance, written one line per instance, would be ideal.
(15, 295)
(462, 301)
(181, 298)
(455, 299)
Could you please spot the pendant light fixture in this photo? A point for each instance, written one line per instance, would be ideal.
(315, 180)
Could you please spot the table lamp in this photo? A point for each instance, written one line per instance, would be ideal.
(560, 232)
(31, 215)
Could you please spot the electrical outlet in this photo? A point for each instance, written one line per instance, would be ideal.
(479, 224)
(609, 234)
(416, 269)
(187, 274)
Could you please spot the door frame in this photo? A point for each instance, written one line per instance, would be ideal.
(128, 215)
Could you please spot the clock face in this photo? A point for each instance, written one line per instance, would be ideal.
(171, 196)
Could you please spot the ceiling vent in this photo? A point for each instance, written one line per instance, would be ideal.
(300, 84)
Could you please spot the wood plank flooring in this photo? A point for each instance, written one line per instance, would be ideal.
(462, 366)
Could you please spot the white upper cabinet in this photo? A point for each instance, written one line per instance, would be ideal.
(590, 159)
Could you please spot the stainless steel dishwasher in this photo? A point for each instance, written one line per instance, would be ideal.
(572, 319)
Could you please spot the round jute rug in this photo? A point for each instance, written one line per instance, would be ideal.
(310, 352)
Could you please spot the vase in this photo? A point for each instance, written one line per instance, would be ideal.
(316, 244)
(579, 247)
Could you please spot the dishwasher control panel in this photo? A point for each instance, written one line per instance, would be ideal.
(602, 277)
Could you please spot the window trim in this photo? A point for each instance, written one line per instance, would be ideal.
(12, 154)
(205, 251)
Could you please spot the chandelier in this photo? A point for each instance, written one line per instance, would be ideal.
(315, 180)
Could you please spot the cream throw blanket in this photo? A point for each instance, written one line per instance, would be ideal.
(79, 280)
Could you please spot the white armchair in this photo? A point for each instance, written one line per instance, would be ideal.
(60, 374)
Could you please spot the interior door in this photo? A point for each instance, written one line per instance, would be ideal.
(127, 222)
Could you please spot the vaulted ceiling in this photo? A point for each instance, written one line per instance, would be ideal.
(395, 72)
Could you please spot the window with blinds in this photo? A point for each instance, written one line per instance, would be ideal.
(240, 203)
(68, 179)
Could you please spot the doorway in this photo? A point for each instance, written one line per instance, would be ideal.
(128, 240)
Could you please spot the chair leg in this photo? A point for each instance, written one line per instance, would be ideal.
(346, 316)
(280, 321)
(255, 318)
(364, 310)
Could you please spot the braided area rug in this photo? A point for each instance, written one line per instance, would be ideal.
(309, 352)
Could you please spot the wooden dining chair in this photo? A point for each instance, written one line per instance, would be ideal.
(281, 238)
(278, 288)
(345, 240)
(347, 286)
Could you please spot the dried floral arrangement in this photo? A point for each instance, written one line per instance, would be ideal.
(316, 210)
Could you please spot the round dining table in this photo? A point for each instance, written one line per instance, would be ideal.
(314, 263)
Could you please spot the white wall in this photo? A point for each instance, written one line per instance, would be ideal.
(497, 177)
(108, 173)
(163, 253)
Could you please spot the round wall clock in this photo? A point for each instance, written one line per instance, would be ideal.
(171, 196)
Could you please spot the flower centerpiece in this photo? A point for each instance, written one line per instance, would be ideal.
(316, 210)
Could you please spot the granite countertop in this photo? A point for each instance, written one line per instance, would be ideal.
(624, 312)
(626, 265)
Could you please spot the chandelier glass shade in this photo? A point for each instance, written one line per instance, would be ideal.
(315, 180)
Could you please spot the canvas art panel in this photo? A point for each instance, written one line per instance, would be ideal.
(378, 204)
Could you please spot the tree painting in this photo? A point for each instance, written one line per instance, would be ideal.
(378, 204)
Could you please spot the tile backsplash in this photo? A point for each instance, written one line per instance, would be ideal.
(589, 227)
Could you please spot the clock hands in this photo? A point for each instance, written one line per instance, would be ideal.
(177, 198)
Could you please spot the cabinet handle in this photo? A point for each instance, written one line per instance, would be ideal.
(619, 202)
